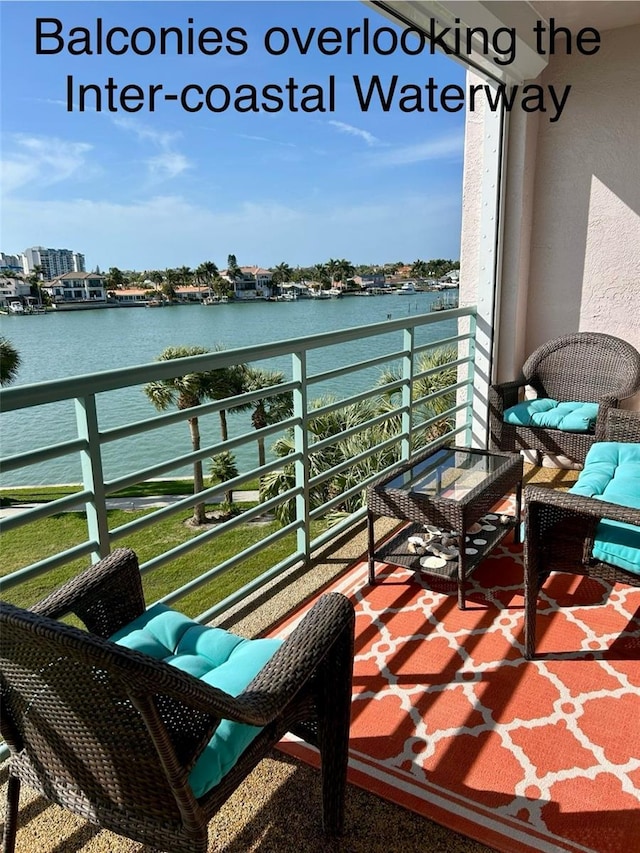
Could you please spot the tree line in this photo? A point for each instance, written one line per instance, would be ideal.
(327, 274)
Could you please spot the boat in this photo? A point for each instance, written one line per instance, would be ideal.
(16, 307)
(407, 289)
(320, 294)
(334, 292)
(34, 307)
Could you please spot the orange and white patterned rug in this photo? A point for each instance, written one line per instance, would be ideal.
(449, 720)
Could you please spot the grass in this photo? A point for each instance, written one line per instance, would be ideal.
(46, 537)
(38, 494)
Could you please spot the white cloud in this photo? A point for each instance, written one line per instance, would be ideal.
(448, 147)
(369, 138)
(168, 162)
(43, 161)
(265, 139)
(167, 231)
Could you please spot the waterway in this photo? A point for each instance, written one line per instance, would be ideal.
(70, 343)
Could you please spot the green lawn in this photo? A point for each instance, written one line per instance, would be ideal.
(37, 494)
(46, 537)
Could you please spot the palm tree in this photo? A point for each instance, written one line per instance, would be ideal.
(424, 386)
(333, 267)
(222, 468)
(331, 424)
(346, 270)
(168, 286)
(156, 276)
(185, 274)
(320, 273)
(9, 361)
(270, 409)
(419, 269)
(232, 267)
(35, 280)
(116, 279)
(206, 272)
(281, 273)
(188, 391)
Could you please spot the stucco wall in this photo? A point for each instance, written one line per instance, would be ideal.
(571, 209)
(585, 242)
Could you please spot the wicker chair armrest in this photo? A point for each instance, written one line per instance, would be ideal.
(605, 404)
(578, 505)
(105, 596)
(505, 394)
(622, 425)
(324, 636)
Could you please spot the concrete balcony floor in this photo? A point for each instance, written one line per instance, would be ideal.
(277, 809)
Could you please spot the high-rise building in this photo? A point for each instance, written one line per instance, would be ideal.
(10, 263)
(53, 262)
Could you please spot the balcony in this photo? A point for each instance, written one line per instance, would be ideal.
(317, 540)
(560, 257)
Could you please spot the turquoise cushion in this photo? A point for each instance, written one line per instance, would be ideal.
(550, 414)
(218, 658)
(612, 473)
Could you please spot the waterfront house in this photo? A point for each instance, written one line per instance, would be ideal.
(244, 284)
(371, 279)
(77, 288)
(12, 288)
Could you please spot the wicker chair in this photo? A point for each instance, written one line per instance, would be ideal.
(560, 528)
(112, 734)
(587, 367)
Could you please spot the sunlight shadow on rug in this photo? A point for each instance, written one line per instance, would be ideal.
(450, 721)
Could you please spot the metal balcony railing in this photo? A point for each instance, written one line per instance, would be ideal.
(314, 368)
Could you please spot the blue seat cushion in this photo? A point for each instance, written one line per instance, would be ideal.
(550, 414)
(612, 473)
(213, 655)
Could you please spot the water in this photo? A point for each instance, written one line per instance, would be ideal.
(71, 343)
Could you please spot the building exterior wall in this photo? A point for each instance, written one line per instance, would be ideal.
(585, 242)
(570, 258)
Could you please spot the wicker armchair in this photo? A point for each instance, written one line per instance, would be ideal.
(560, 528)
(587, 367)
(112, 734)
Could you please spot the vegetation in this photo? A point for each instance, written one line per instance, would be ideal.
(9, 361)
(270, 409)
(207, 275)
(189, 391)
(193, 389)
(434, 372)
(344, 449)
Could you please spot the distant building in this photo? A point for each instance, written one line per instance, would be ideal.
(10, 263)
(54, 262)
(244, 285)
(13, 288)
(77, 287)
(371, 279)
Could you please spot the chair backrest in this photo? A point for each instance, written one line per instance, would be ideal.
(100, 727)
(585, 367)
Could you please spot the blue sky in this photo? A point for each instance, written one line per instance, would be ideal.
(143, 190)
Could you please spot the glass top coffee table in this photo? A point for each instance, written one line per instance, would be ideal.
(448, 494)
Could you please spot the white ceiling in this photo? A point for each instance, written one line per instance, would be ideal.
(575, 14)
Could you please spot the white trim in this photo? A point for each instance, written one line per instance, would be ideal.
(517, 15)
